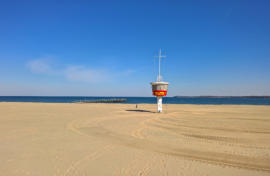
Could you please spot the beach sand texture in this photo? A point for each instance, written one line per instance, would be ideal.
(65, 139)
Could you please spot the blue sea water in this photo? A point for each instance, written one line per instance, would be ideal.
(138, 100)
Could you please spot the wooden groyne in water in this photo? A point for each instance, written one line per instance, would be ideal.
(113, 100)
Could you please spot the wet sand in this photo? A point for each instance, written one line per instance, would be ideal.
(118, 139)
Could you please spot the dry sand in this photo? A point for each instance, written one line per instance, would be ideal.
(116, 139)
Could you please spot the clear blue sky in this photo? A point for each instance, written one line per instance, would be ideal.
(106, 48)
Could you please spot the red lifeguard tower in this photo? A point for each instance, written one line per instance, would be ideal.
(159, 87)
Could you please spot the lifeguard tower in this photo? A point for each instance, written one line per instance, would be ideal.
(159, 87)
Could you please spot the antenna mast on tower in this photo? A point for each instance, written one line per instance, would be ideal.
(159, 78)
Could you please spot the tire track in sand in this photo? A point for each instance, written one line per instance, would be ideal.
(89, 157)
(185, 132)
(138, 141)
(138, 133)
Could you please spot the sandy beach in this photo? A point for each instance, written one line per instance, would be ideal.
(65, 139)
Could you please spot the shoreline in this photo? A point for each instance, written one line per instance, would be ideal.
(164, 104)
(142, 100)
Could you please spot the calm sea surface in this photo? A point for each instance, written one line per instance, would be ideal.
(137, 100)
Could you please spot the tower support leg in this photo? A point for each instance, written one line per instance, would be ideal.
(159, 103)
